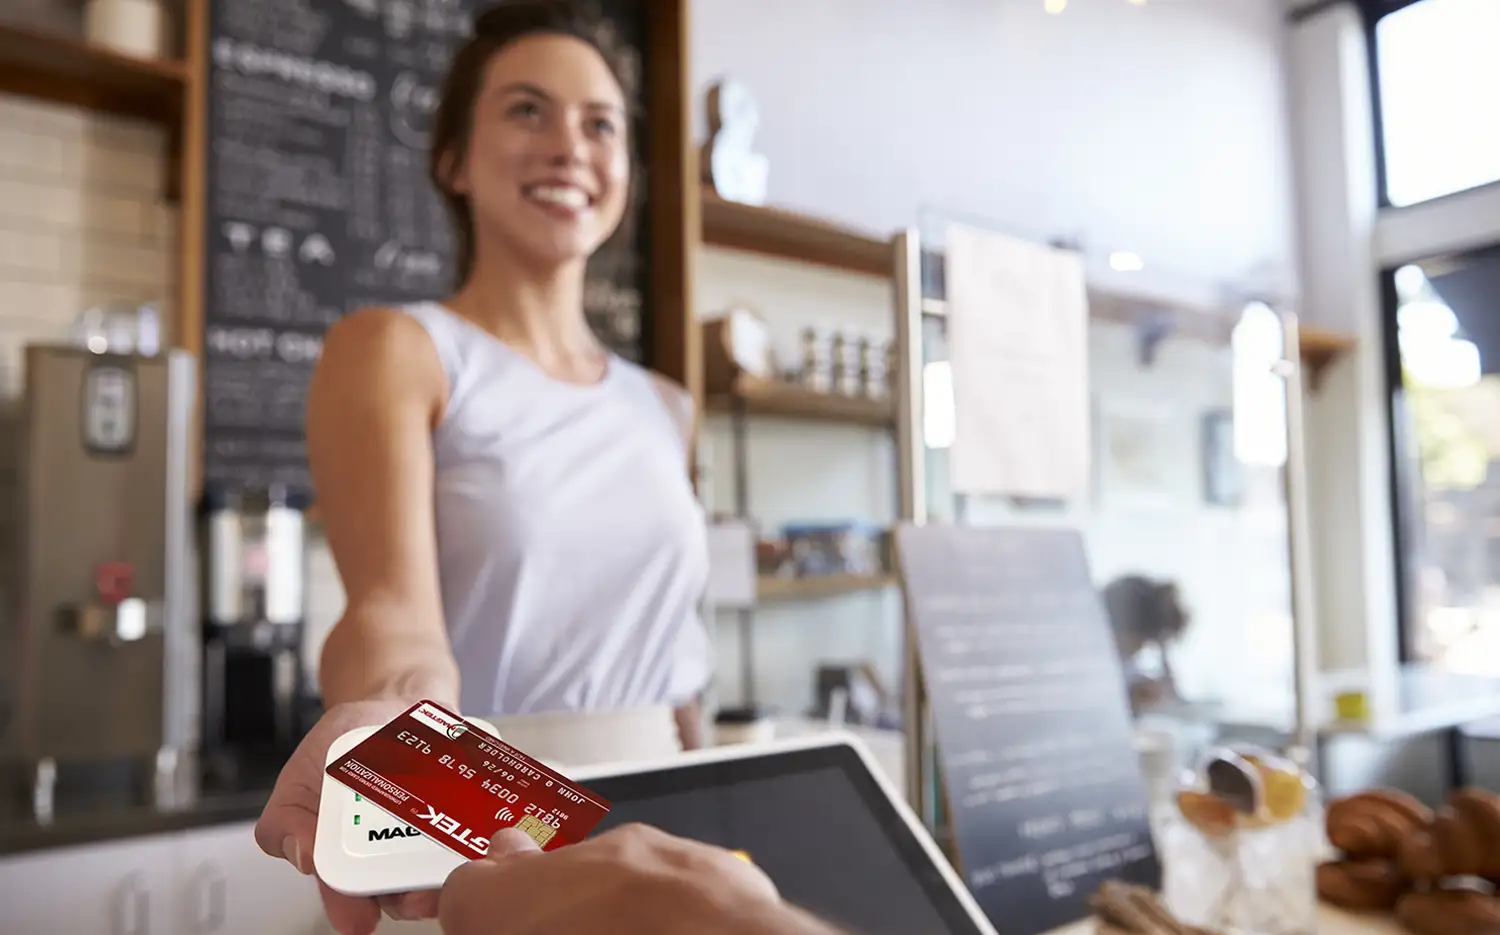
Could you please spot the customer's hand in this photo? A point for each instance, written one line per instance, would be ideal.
(632, 879)
(289, 820)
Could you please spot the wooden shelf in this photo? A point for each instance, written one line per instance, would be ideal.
(790, 589)
(772, 398)
(1321, 348)
(69, 71)
(789, 236)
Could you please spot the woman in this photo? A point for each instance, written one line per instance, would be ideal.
(507, 502)
(1146, 613)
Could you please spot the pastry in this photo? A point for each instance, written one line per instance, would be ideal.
(1458, 840)
(1479, 810)
(1449, 912)
(1419, 856)
(1360, 885)
(1372, 824)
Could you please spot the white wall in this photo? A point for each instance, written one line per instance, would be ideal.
(1159, 129)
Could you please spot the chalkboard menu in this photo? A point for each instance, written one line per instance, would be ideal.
(1034, 736)
(318, 202)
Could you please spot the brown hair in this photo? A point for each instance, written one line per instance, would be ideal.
(494, 29)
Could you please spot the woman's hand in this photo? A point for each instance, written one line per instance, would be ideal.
(376, 394)
(289, 821)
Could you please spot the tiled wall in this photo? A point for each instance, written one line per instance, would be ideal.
(59, 15)
(82, 222)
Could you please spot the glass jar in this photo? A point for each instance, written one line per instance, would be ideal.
(817, 360)
(1241, 872)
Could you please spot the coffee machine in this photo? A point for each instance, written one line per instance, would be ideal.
(253, 556)
(101, 637)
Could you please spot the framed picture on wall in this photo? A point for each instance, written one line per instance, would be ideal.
(1223, 475)
(1144, 456)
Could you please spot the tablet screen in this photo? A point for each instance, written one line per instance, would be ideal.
(815, 821)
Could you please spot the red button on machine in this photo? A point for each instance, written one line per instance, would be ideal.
(114, 581)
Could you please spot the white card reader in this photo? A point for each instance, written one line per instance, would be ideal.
(361, 850)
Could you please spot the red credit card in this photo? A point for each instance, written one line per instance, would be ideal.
(460, 784)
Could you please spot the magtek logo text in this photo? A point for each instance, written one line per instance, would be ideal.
(451, 827)
(385, 834)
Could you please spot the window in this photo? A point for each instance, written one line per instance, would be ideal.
(1445, 370)
(1437, 90)
(1259, 391)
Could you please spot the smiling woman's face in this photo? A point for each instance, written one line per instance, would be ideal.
(547, 168)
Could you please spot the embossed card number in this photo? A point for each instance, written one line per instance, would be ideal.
(458, 784)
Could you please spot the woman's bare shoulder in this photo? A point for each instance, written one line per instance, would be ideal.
(378, 344)
(376, 334)
(374, 324)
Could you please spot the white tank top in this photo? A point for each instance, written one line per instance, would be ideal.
(571, 549)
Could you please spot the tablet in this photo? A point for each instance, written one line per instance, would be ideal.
(817, 816)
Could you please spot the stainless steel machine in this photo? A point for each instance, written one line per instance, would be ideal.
(104, 640)
(254, 564)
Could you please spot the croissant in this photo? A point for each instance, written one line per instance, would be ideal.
(1462, 849)
(1462, 840)
(1449, 912)
(1360, 885)
(1372, 824)
(1420, 858)
(1479, 811)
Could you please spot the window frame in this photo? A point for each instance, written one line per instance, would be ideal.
(1405, 478)
(1404, 461)
(1372, 12)
(1407, 494)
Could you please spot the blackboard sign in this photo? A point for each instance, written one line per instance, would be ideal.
(318, 203)
(1035, 744)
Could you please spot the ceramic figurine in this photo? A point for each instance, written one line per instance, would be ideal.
(731, 166)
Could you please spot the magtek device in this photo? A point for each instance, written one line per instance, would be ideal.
(362, 850)
(458, 783)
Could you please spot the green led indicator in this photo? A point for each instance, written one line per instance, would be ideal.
(356, 819)
(358, 797)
